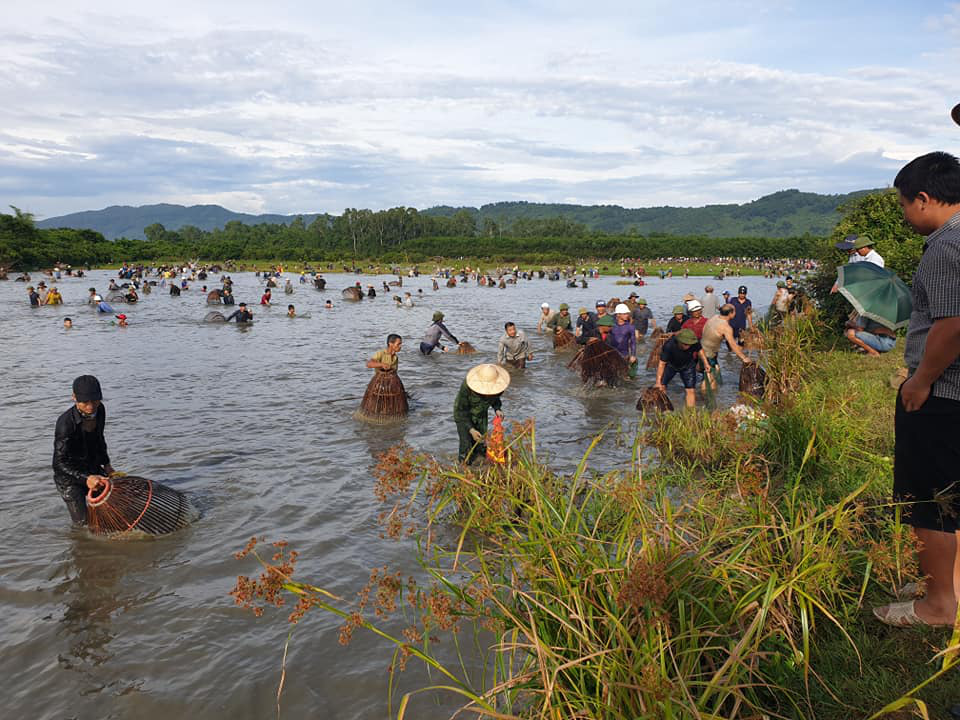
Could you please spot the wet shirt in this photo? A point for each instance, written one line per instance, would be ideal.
(712, 337)
(78, 453)
(739, 319)
(384, 356)
(641, 317)
(696, 325)
(34, 298)
(471, 408)
(936, 294)
(434, 332)
(710, 305)
(559, 321)
(241, 316)
(676, 357)
(674, 325)
(623, 339)
(512, 348)
(588, 328)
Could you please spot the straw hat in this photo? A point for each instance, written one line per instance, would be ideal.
(488, 379)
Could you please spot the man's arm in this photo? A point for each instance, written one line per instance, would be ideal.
(942, 348)
(501, 352)
(661, 366)
(727, 334)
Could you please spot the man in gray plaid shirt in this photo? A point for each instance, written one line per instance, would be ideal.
(927, 456)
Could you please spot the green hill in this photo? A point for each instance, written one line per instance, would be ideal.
(127, 221)
(788, 213)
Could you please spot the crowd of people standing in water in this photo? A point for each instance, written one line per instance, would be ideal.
(606, 341)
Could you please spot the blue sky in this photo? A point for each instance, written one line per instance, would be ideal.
(308, 107)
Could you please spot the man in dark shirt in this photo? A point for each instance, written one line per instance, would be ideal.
(678, 356)
(80, 459)
(679, 317)
(34, 296)
(241, 314)
(742, 312)
(586, 327)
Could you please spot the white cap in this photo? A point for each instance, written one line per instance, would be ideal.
(694, 305)
(97, 298)
(545, 306)
(621, 308)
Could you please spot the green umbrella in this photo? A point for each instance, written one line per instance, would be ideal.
(876, 293)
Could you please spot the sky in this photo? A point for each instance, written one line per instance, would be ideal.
(292, 106)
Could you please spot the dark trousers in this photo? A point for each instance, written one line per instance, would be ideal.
(468, 453)
(76, 500)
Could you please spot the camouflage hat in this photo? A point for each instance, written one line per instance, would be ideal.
(605, 321)
(678, 310)
(564, 306)
(687, 337)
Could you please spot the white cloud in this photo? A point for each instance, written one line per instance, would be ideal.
(286, 116)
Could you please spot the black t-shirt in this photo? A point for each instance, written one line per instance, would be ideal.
(674, 325)
(34, 298)
(679, 359)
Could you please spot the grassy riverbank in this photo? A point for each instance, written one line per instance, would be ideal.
(727, 570)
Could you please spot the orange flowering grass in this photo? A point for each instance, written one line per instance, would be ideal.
(603, 595)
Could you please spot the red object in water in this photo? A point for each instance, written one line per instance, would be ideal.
(496, 452)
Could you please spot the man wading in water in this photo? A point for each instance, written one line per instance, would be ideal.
(479, 392)
(80, 460)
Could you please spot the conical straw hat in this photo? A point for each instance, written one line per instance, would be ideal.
(488, 379)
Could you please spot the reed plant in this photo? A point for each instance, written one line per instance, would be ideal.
(740, 592)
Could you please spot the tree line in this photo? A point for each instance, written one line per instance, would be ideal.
(394, 235)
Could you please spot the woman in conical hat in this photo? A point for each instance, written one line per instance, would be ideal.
(480, 391)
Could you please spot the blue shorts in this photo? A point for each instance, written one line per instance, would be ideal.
(880, 343)
(426, 349)
(688, 375)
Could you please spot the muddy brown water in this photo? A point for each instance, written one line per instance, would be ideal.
(256, 425)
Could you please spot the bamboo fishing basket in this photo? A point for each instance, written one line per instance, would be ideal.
(563, 339)
(654, 399)
(753, 380)
(128, 502)
(600, 364)
(659, 338)
(385, 399)
(466, 348)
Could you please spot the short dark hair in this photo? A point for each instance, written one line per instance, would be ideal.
(289, 307)
(392, 338)
(242, 305)
(66, 319)
(508, 325)
(937, 174)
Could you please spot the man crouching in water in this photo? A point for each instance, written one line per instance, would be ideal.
(80, 460)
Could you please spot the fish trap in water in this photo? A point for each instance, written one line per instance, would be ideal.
(466, 348)
(563, 339)
(654, 399)
(385, 399)
(129, 502)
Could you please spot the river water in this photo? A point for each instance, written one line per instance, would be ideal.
(256, 425)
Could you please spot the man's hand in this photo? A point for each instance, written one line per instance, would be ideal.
(95, 481)
(632, 359)
(499, 414)
(913, 394)
(530, 356)
(476, 435)
(658, 385)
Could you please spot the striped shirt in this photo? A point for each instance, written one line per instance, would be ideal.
(936, 294)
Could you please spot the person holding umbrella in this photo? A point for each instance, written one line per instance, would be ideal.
(927, 419)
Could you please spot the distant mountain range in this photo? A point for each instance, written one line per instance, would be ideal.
(783, 214)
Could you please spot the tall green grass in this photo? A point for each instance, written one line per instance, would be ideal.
(733, 579)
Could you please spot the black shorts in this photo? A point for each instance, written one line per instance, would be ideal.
(926, 470)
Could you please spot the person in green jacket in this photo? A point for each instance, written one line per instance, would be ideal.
(561, 319)
(479, 392)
